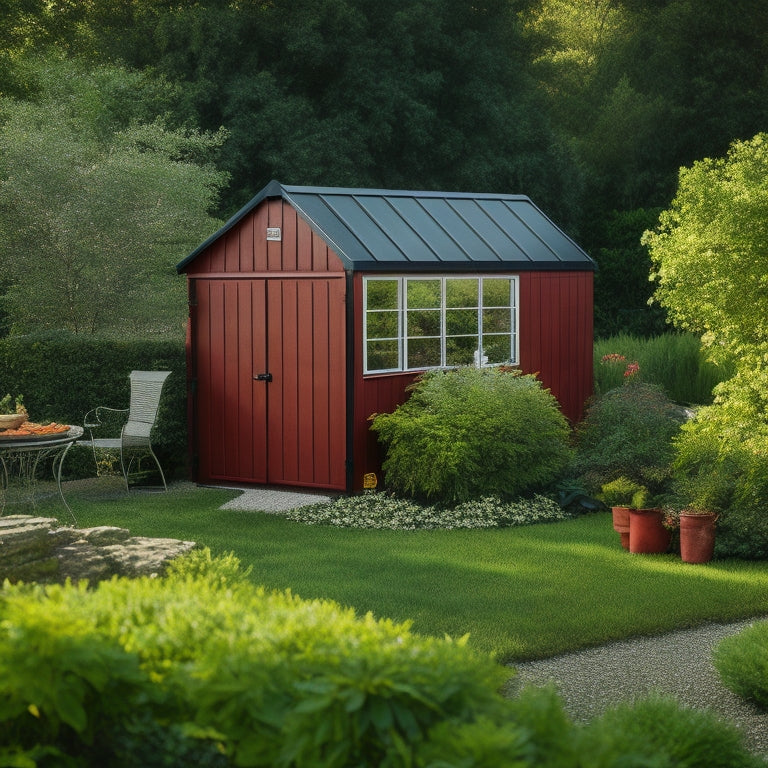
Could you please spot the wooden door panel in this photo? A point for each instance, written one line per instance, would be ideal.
(287, 431)
(231, 410)
(306, 442)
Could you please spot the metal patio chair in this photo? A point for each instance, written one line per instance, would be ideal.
(134, 442)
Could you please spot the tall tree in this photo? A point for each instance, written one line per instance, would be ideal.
(414, 93)
(96, 207)
(710, 251)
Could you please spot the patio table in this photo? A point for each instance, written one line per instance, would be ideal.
(21, 456)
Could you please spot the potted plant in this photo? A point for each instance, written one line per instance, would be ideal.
(12, 412)
(621, 495)
(648, 533)
(702, 495)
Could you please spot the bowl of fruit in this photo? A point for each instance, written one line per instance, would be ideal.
(12, 412)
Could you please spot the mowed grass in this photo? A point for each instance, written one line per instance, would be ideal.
(519, 593)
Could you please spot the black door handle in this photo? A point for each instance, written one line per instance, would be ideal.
(263, 377)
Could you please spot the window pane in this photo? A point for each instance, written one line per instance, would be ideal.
(461, 292)
(497, 348)
(496, 292)
(381, 325)
(497, 321)
(460, 350)
(424, 294)
(459, 322)
(423, 322)
(423, 353)
(381, 294)
(382, 355)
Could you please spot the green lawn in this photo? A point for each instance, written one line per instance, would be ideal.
(520, 593)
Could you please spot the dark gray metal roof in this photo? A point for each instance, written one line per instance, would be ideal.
(393, 230)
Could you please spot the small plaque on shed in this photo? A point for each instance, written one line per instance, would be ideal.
(273, 233)
(370, 481)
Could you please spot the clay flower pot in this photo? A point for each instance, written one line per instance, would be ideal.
(697, 536)
(621, 524)
(647, 534)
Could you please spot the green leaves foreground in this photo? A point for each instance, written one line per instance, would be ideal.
(203, 668)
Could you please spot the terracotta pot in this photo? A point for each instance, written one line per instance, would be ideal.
(647, 534)
(697, 537)
(621, 524)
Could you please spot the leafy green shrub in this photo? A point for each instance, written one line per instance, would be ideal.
(202, 664)
(628, 432)
(470, 432)
(741, 660)
(380, 510)
(203, 668)
(657, 732)
(623, 492)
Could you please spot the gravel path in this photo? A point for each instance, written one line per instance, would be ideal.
(678, 664)
(273, 500)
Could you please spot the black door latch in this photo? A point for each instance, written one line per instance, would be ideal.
(263, 377)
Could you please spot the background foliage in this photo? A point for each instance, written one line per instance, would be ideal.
(96, 200)
(588, 107)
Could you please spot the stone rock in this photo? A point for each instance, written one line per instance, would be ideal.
(40, 549)
(104, 535)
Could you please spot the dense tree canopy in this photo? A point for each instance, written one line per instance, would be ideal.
(95, 205)
(588, 106)
(710, 257)
(710, 251)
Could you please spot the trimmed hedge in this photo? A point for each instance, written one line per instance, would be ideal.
(202, 668)
(63, 375)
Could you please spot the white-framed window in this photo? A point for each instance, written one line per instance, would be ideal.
(439, 321)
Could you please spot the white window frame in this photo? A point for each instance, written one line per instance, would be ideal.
(402, 340)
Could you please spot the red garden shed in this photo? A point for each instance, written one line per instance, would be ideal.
(313, 308)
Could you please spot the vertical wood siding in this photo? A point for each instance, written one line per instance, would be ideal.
(555, 343)
(556, 334)
(275, 307)
(245, 249)
(279, 307)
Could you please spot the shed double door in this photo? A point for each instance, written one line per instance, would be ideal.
(271, 387)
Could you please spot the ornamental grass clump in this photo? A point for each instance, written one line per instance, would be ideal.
(468, 433)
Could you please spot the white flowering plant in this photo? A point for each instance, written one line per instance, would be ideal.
(375, 509)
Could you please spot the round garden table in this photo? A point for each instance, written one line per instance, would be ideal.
(21, 456)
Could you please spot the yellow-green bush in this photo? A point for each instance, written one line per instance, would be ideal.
(259, 678)
(201, 668)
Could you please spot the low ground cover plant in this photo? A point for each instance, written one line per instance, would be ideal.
(204, 668)
(383, 510)
(467, 433)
